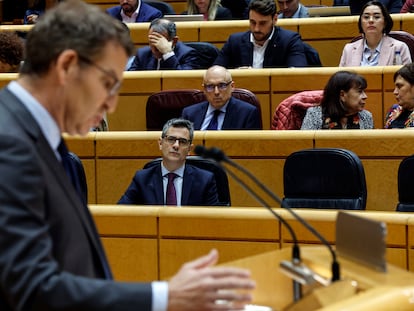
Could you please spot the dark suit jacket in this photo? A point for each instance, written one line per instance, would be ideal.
(199, 187)
(146, 13)
(51, 256)
(285, 49)
(185, 58)
(239, 115)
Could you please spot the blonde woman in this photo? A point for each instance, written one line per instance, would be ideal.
(211, 9)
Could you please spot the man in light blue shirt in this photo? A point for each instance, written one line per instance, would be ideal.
(291, 9)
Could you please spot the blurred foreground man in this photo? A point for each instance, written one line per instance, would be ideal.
(51, 257)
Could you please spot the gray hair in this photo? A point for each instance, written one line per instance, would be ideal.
(72, 25)
(178, 122)
(162, 25)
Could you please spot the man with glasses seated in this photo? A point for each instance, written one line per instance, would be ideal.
(221, 111)
(173, 182)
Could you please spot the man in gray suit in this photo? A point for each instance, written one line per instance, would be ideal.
(51, 257)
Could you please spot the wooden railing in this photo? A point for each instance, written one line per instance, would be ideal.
(151, 242)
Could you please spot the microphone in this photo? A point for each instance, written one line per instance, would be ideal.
(299, 273)
(288, 267)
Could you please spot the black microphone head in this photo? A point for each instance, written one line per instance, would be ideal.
(216, 154)
(200, 150)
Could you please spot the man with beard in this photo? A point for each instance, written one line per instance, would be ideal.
(134, 11)
(265, 45)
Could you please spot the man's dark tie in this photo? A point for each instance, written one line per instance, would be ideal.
(213, 125)
(71, 171)
(171, 194)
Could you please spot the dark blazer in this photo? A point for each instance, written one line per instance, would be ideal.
(199, 187)
(146, 13)
(51, 256)
(285, 49)
(239, 115)
(185, 58)
(222, 13)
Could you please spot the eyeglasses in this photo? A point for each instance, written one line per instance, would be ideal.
(112, 88)
(181, 141)
(222, 86)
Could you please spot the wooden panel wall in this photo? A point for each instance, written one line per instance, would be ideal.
(118, 155)
(149, 242)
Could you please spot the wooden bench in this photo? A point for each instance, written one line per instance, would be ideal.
(328, 35)
(112, 158)
(151, 242)
(270, 85)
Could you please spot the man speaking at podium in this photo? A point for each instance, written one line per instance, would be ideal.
(51, 257)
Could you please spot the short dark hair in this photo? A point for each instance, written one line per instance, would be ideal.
(11, 48)
(162, 25)
(72, 25)
(263, 7)
(406, 72)
(179, 122)
(387, 17)
(340, 81)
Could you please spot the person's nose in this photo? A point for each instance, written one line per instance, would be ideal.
(176, 144)
(364, 95)
(216, 90)
(283, 6)
(395, 92)
(111, 103)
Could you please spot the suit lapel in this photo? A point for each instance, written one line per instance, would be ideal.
(157, 185)
(200, 115)
(187, 185)
(229, 115)
(246, 50)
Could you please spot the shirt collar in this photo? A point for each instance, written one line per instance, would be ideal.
(47, 124)
(265, 43)
(179, 171)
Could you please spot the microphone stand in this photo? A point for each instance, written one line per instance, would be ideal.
(219, 156)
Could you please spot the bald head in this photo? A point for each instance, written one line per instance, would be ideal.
(218, 86)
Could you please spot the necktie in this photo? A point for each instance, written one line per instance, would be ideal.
(171, 194)
(71, 171)
(213, 125)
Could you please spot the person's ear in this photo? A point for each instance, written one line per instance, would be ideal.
(174, 41)
(66, 62)
(160, 143)
(190, 148)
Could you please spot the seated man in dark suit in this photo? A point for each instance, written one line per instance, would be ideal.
(134, 11)
(164, 52)
(173, 182)
(221, 111)
(265, 45)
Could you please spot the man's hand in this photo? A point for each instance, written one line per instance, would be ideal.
(160, 42)
(200, 286)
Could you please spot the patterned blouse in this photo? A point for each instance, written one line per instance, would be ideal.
(313, 120)
(397, 117)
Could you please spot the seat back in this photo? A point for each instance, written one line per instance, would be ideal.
(405, 191)
(223, 190)
(164, 7)
(165, 105)
(207, 53)
(330, 178)
(290, 112)
(312, 56)
(400, 35)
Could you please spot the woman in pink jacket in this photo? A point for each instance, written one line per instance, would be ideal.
(376, 48)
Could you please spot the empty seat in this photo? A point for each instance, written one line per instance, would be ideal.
(330, 178)
(405, 191)
(207, 53)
